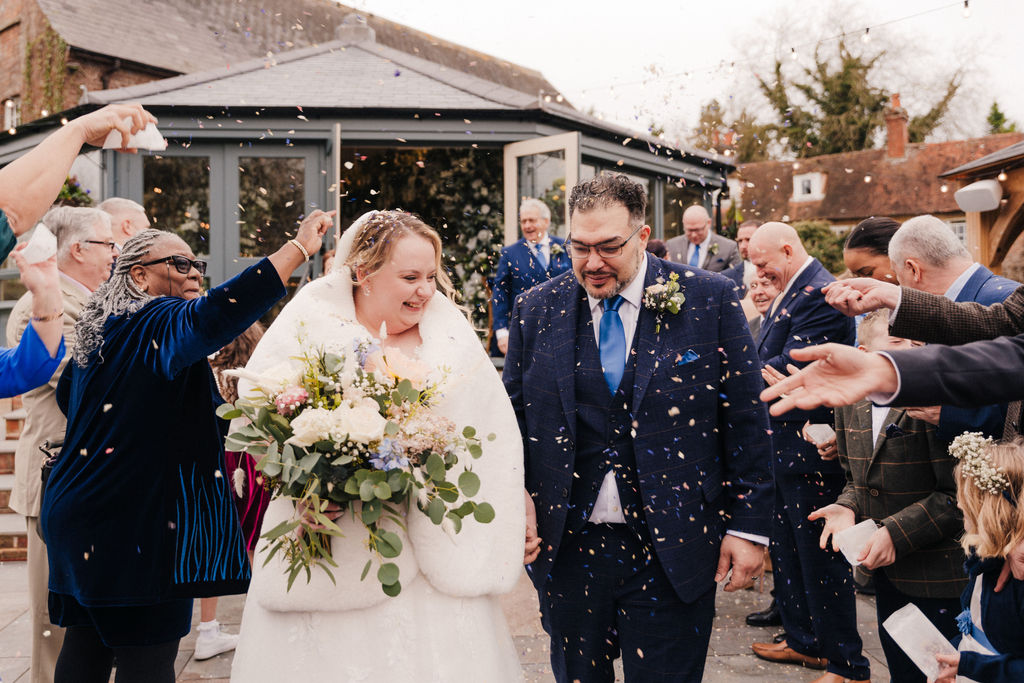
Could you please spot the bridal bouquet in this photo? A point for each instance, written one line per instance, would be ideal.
(354, 430)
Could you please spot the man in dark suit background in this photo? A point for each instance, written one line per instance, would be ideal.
(699, 246)
(813, 587)
(535, 258)
(927, 256)
(646, 454)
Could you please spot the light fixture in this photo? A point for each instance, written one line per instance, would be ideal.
(792, 53)
(867, 178)
(1001, 177)
(967, 8)
(866, 38)
(732, 67)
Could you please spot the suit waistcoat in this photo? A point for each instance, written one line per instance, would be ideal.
(603, 430)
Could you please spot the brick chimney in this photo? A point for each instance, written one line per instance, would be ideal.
(896, 134)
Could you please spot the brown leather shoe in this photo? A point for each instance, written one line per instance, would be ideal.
(836, 678)
(784, 654)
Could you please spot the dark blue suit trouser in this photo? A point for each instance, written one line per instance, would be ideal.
(814, 587)
(608, 593)
(940, 611)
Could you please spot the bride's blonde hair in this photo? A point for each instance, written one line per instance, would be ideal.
(377, 237)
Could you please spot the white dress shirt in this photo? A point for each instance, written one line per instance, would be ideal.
(608, 506)
(878, 415)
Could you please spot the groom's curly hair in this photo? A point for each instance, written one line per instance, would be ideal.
(609, 190)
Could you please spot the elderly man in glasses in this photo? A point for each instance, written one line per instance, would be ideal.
(635, 383)
(84, 255)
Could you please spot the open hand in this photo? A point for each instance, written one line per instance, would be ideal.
(861, 295)
(840, 375)
(837, 518)
(532, 539)
(745, 558)
(879, 550)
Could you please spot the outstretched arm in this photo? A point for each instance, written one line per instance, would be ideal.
(30, 183)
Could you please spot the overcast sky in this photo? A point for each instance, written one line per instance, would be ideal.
(658, 60)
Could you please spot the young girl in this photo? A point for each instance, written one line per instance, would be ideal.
(990, 480)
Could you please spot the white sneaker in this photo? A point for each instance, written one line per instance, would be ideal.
(212, 641)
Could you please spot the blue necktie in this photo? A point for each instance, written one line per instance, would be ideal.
(542, 257)
(695, 259)
(613, 343)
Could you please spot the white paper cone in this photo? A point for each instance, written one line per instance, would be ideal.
(147, 138)
(852, 541)
(42, 246)
(919, 638)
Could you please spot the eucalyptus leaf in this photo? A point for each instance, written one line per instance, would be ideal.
(393, 542)
(388, 573)
(366, 570)
(393, 589)
(435, 467)
(366, 490)
(382, 490)
(371, 511)
(281, 529)
(469, 482)
(226, 411)
(469, 432)
(435, 510)
(483, 513)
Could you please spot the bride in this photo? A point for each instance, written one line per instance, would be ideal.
(446, 624)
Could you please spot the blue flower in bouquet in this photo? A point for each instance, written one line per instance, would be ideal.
(388, 457)
(363, 350)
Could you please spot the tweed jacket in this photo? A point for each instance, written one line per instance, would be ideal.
(726, 255)
(44, 421)
(703, 462)
(905, 482)
(937, 320)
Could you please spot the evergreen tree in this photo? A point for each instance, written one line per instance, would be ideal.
(997, 121)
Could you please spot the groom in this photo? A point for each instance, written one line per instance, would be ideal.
(647, 451)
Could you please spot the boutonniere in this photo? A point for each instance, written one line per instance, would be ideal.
(713, 249)
(556, 249)
(664, 297)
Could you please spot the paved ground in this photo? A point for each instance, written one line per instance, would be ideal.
(729, 659)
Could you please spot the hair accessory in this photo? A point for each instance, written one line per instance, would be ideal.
(970, 448)
(298, 245)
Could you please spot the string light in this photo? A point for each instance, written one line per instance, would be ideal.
(866, 38)
(792, 53)
(967, 8)
(1002, 176)
(732, 67)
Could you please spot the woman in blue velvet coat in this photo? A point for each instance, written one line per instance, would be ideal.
(137, 514)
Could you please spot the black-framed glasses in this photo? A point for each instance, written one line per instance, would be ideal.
(111, 245)
(182, 264)
(579, 250)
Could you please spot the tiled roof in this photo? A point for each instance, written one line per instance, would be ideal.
(897, 187)
(186, 36)
(1014, 154)
(363, 75)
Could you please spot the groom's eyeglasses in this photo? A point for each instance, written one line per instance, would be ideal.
(579, 250)
(182, 264)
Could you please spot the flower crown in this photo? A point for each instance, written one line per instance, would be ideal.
(970, 449)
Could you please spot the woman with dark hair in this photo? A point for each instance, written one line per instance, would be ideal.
(136, 513)
(658, 248)
(866, 252)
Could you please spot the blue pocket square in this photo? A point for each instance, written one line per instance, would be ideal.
(892, 430)
(687, 357)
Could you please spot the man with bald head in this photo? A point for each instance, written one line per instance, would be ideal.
(813, 586)
(127, 218)
(699, 246)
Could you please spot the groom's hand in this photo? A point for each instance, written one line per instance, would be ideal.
(744, 557)
(532, 539)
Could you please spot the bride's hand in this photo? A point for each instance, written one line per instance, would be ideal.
(332, 511)
(532, 539)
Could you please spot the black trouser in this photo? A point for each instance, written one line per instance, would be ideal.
(85, 659)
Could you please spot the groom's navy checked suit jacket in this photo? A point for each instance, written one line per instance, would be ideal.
(701, 443)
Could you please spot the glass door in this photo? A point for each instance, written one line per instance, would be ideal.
(544, 168)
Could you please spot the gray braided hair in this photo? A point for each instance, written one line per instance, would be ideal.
(116, 296)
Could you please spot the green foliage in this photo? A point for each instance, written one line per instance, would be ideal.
(46, 61)
(997, 121)
(822, 243)
(72, 194)
(842, 108)
(739, 136)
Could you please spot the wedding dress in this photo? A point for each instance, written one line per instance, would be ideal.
(446, 625)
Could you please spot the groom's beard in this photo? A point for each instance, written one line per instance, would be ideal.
(621, 279)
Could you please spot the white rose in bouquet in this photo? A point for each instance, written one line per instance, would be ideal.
(312, 425)
(361, 422)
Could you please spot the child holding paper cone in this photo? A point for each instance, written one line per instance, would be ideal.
(900, 475)
(990, 479)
